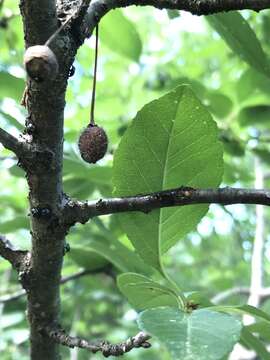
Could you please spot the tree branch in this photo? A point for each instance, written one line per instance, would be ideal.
(15, 257)
(12, 297)
(20, 293)
(10, 142)
(99, 8)
(106, 348)
(76, 211)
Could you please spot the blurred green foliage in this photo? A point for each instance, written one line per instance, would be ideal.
(157, 51)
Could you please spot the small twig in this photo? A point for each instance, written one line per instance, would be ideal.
(79, 274)
(12, 297)
(77, 211)
(15, 257)
(239, 290)
(20, 293)
(106, 348)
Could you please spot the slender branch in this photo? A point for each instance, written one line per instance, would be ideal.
(12, 297)
(76, 211)
(99, 8)
(240, 290)
(106, 348)
(20, 293)
(15, 257)
(10, 142)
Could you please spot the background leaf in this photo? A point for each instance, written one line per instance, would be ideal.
(102, 252)
(240, 37)
(261, 328)
(20, 222)
(252, 342)
(11, 86)
(120, 35)
(203, 334)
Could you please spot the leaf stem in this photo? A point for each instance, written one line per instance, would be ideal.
(93, 99)
(181, 299)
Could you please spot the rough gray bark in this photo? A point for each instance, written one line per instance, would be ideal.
(99, 8)
(45, 104)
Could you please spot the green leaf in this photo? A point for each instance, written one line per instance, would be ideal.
(143, 293)
(203, 334)
(16, 171)
(198, 298)
(11, 86)
(240, 37)
(252, 342)
(115, 253)
(262, 328)
(120, 35)
(171, 142)
(95, 174)
(252, 115)
(232, 145)
(87, 257)
(127, 260)
(11, 120)
(263, 154)
(172, 14)
(219, 104)
(250, 82)
(78, 187)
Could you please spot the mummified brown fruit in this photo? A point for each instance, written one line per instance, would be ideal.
(93, 144)
(40, 63)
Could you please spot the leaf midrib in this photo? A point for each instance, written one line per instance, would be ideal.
(165, 173)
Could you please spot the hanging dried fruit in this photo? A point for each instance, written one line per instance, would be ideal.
(93, 141)
(93, 144)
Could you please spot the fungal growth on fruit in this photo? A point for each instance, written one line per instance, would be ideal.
(93, 141)
(40, 63)
(93, 144)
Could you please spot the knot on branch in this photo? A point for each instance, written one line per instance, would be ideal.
(140, 340)
(38, 161)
